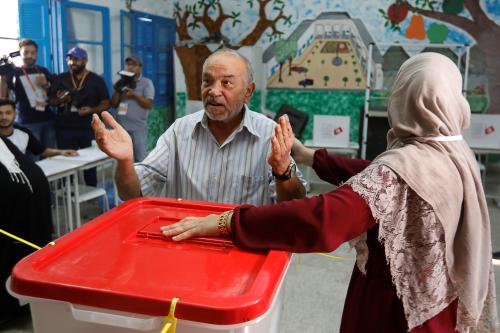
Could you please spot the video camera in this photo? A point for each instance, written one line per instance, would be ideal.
(78, 97)
(6, 65)
(127, 80)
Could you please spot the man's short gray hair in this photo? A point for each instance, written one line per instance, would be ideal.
(248, 65)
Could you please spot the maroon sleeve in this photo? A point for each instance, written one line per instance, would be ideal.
(336, 169)
(315, 224)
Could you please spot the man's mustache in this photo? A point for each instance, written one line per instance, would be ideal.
(213, 100)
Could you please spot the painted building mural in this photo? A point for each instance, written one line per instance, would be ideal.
(329, 52)
(303, 47)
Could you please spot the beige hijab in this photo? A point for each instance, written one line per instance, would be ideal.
(427, 114)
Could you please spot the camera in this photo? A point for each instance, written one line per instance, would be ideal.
(6, 65)
(78, 97)
(127, 80)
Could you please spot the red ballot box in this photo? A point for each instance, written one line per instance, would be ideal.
(118, 273)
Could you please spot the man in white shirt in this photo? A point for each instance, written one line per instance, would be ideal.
(22, 137)
(217, 154)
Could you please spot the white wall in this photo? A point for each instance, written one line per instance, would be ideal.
(162, 8)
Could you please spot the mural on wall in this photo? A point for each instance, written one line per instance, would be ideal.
(328, 52)
(209, 16)
(469, 16)
(292, 74)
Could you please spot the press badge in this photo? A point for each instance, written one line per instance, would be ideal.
(122, 109)
(40, 105)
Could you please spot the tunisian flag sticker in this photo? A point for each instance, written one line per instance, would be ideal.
(489, 130)
(337, 131)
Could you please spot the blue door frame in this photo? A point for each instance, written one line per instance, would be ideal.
(153, 38)
(106, 47)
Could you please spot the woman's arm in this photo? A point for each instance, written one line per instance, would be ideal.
(336, 169)
(315, 224)
(319, 223)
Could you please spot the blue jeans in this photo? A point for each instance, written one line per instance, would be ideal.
(140, 143)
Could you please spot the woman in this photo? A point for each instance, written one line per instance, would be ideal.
(25, 212)
(416, 215)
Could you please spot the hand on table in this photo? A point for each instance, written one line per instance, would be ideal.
(190, 227)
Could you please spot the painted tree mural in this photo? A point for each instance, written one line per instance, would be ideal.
(211, 15)
(477, 24)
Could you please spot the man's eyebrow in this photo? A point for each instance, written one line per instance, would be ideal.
(208, 75)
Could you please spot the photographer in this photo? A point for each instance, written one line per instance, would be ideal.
(79, 94)
(30, 84)
(132, 98)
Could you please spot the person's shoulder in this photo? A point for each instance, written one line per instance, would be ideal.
(187, 122)
(63, 75)
(192, 118)
(16, 72)
(146, 80)
(260, 117)
(42, 69)
(22, 129)
(95, 76)
(261, 123)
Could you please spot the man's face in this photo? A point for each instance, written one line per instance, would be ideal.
(133, 67)
(224, 89)
(77, 65)
(28, 55)
(7, 116)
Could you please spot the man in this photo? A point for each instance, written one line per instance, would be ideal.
(133, 103)
(30, 83)
(217, 154)
(24, 140)
(79, 94)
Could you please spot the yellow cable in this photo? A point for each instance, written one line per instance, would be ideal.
(332, 257)
(20, 239)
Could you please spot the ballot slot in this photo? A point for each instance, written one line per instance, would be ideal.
(152, 231)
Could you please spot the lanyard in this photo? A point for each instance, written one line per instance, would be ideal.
(82, 80)
(28, 77)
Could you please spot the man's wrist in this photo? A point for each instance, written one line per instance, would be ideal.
(281, 169)
(288, 174)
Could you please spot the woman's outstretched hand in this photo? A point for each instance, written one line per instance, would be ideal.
(190, 227)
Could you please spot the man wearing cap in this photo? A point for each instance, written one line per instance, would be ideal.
(132, 99)
(79, 94)
(30, 83)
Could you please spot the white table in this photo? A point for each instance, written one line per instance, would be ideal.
(54, 171)
(87, 158)
(59, 167)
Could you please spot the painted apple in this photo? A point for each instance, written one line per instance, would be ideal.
(397, 12)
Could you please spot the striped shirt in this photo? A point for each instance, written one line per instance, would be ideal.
(189, 163)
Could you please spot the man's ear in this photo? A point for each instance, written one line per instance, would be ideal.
(249, 91)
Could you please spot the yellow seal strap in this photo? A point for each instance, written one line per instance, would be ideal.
(20, 239)
(170, 321)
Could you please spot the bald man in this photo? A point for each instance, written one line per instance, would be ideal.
(222, 153)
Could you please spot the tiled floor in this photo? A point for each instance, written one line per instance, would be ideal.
(315, 286)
